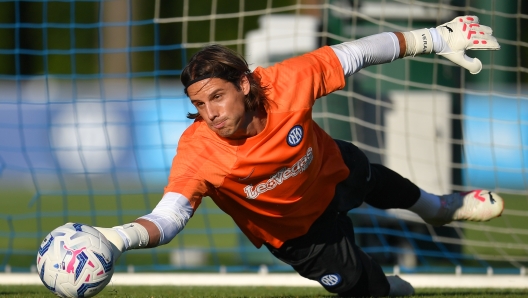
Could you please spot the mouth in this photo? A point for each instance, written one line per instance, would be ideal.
(219, 124)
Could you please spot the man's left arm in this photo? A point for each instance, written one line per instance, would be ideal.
(450, 40)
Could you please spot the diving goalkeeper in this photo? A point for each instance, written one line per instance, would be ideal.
(256, 151)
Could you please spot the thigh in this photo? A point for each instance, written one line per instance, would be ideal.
(374, 184)
(351, 192)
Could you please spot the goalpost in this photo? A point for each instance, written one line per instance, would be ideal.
(91, 110)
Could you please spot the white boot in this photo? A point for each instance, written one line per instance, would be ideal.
(476, 205)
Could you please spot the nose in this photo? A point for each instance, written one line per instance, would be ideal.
(211, 110)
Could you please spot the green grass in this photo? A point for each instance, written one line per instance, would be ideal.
(167, 291)
(24, 225)
(494, 242)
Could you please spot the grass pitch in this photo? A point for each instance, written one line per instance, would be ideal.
(168, 291)
(24, 226)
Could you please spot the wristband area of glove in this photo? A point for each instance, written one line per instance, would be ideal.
(418, 42)
(134, 235)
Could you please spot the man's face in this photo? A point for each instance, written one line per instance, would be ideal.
(221, 105)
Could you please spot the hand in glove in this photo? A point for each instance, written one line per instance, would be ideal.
(125, 237)
(461, 34)
(451, 40)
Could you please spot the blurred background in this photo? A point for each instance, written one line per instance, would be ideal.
(91, 110)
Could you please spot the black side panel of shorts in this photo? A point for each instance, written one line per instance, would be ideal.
(372, 282)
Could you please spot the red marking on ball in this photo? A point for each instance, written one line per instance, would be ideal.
(479, 197)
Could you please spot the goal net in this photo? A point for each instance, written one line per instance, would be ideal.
(91, 110)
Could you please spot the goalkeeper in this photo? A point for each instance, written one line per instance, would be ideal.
(256, 151)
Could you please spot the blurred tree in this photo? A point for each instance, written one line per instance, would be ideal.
(7, 38)
(122, 37)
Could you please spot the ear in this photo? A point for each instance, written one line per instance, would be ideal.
(245, 85)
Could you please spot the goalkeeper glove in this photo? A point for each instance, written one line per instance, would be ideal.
(451, 40)
(125, 237)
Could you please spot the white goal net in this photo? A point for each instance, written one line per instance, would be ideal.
(91, 111)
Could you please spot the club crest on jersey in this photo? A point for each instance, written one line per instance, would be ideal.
(330, 280)
(295, 136)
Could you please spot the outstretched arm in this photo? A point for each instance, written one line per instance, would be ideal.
(152, 231)
(450, 40)
(159, 227)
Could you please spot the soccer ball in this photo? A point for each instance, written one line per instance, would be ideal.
(75, 260)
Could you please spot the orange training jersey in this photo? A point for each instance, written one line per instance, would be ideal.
(275, 184)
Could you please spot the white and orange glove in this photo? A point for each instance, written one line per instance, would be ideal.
(451, 40)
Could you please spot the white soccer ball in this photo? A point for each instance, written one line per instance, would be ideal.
(75, 260)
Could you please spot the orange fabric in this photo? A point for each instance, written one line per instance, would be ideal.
(273, 191)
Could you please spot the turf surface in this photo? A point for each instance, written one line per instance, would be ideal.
(24, 225)
(167, 291)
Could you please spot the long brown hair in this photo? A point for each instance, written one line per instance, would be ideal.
(216, 61)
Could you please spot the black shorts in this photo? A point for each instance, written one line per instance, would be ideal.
(328, 253)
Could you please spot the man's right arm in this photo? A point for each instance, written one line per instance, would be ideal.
(159, 227)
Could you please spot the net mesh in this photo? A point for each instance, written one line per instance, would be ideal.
(91, 111)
